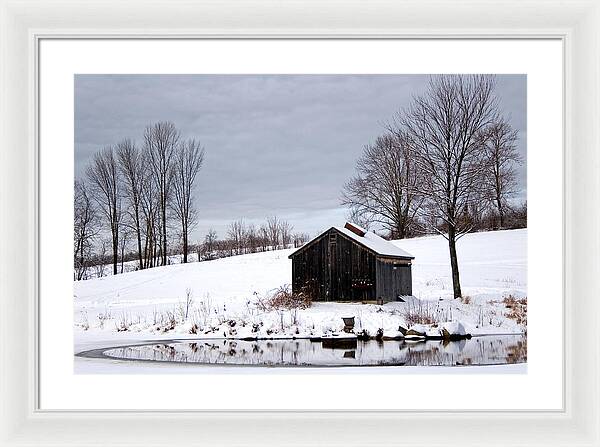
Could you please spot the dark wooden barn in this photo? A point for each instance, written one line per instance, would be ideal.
(351, 264)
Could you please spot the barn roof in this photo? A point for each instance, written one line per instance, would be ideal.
(370, 240)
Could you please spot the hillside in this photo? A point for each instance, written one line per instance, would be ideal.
(152, 303)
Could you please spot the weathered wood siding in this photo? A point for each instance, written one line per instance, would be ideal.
(393, 278)
(335, 268)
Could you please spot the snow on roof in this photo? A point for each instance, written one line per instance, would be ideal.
(376, 243)
(370, 240)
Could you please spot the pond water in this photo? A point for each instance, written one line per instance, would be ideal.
(488, 350)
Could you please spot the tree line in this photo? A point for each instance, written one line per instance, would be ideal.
(445, 164)
(137, 194)
(242, 238)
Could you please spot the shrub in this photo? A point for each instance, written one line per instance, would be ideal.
(284, 298)
(517, 309)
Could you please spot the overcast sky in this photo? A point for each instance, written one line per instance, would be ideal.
(275, 144)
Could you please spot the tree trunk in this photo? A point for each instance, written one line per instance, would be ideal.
(139, 237)
(115, 250)
(500, 212)
(185, 246)
(454, 262)
(164, 233)
(140, 254)
(400, 231)
(122, 258)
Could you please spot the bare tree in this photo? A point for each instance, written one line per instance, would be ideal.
(130, 165)
(445, 126)
(383, 189)
(356, 215)
(263, 234)
(103, 175)
(161, 140)
(188, 162)
(237, 235)
(502, 157)
(100, 259)
(85, 229)
(285, 230)
(273, 232)
(210, 240)
(300, 239)
(252, 238)
(518, 216)
(149, 204)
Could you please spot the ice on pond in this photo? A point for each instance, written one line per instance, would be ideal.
(488, 350)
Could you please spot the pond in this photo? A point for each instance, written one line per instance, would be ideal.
(485, 350)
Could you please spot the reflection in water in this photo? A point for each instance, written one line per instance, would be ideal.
(489, 350)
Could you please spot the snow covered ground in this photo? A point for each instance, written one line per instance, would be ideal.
(151, 304)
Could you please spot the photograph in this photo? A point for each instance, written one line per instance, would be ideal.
(262, 222)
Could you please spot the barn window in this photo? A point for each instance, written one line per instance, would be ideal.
(333, 238)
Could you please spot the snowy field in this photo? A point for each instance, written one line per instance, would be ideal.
(151, 304)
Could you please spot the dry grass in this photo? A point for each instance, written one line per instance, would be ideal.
(517, 309)
(284, 298)
(421, 313)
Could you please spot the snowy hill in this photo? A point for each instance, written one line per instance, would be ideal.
(493, 265)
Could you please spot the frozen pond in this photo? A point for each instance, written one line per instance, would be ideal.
(487, 350)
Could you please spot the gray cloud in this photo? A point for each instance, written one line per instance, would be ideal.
(275, 144)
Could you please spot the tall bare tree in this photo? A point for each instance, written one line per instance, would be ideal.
(161, 141)
(445, 126)
(85, 229)
(132, 171)
(502, 158)
(104, 178)
(188, 161)
(383, 189)
(149, 205)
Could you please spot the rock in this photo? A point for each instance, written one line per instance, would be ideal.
(363, 335)
(417, 330)
(402, 330)
(414, 333)
(451, 330)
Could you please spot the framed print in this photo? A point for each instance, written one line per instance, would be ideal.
(296, 224)
(267, 295)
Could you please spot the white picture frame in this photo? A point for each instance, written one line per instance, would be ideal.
(23, 24)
